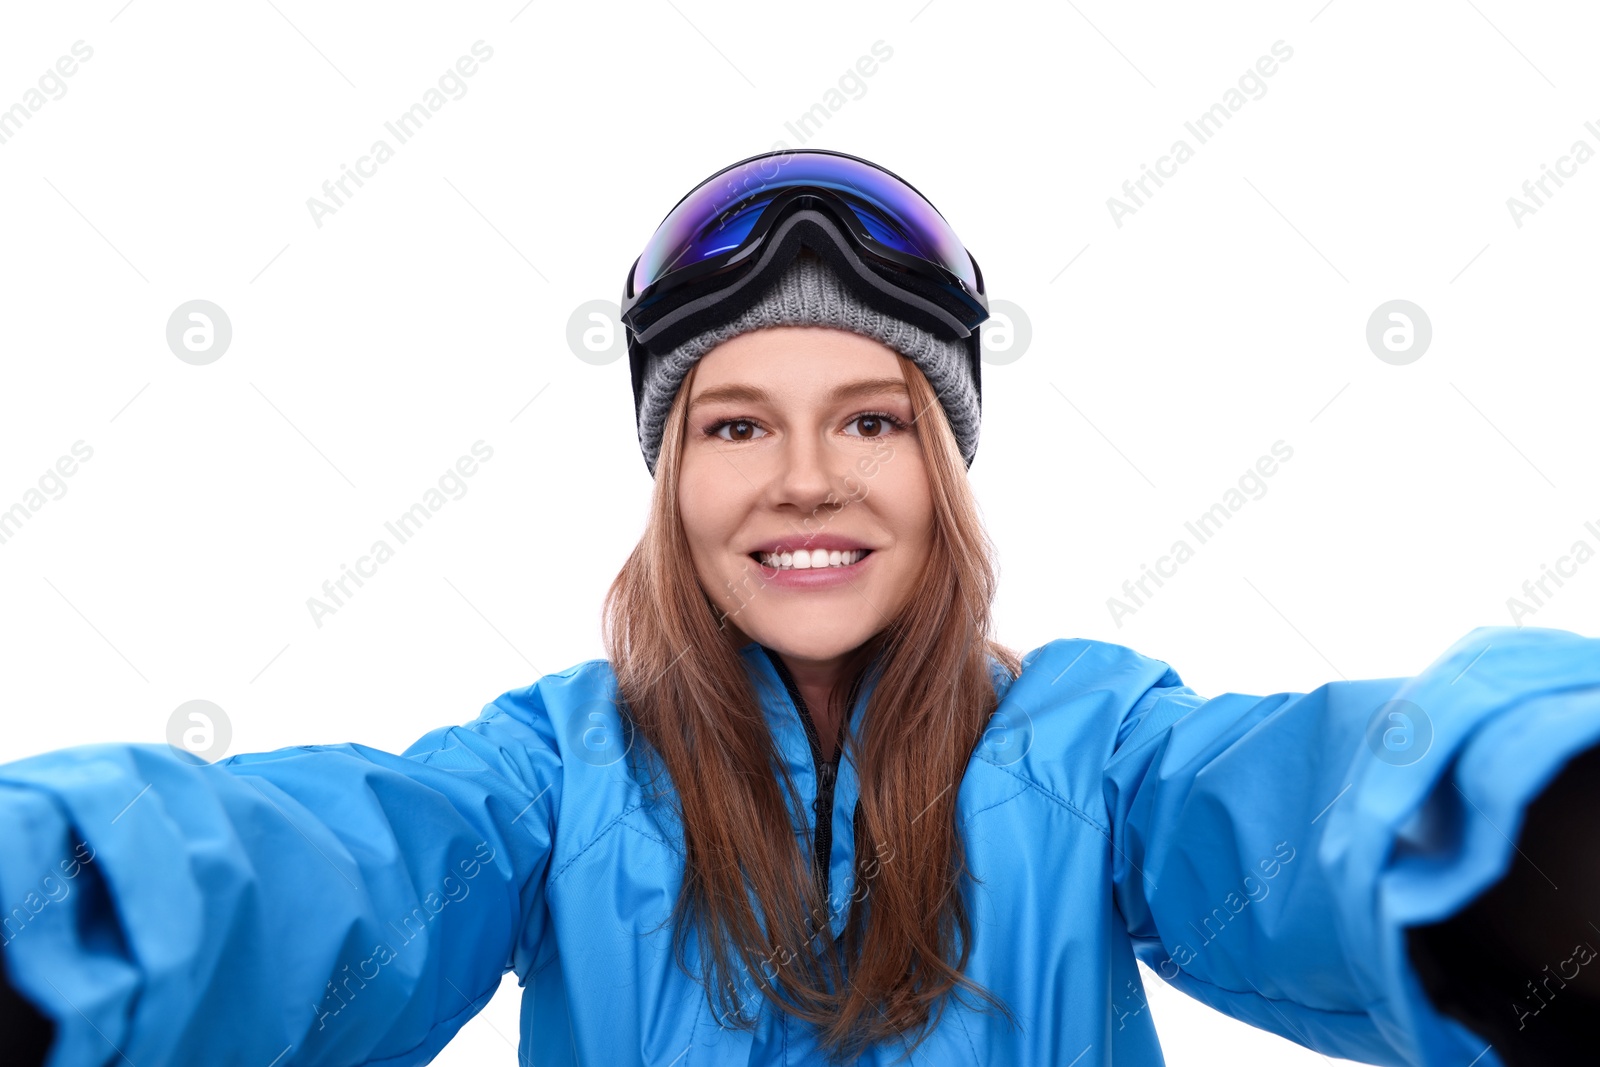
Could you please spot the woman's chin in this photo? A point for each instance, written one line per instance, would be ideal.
(805, 640)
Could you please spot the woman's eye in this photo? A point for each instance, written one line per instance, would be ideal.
(873, 424)
(737, 430)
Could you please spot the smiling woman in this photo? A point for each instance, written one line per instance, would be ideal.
(808, 809)
(770, 429)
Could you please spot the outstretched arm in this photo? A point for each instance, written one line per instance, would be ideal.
(321, 904)
(1276, 856)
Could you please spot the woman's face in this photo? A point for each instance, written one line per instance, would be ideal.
(800, 440)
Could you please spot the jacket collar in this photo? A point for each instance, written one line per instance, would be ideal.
(764, 665)
(758, 659)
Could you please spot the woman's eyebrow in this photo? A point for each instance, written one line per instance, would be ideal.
(753, 394)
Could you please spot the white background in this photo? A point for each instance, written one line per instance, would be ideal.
(1227, 313)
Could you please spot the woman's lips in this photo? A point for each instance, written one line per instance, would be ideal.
(824, 577)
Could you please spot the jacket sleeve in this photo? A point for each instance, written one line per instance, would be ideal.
(325, 904)
(1269, 853)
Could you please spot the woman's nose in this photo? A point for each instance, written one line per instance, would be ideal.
(806, 474)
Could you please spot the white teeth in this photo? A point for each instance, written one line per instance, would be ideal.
(809, 560)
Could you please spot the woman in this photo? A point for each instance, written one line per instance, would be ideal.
(979, 846)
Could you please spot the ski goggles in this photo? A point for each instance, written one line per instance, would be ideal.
(721, 236)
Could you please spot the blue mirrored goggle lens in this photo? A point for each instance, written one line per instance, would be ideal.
(892, 213)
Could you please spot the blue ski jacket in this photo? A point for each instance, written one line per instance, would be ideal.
(337, 904)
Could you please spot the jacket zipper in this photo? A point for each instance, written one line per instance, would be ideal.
(827, 775)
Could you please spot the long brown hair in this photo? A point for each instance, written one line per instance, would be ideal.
(684, 691)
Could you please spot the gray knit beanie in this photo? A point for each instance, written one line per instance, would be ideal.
(809, 293)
